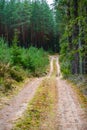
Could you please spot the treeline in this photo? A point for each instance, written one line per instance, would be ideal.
(33, 21)
(71, 16)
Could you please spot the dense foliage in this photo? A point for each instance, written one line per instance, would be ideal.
(34, 21)
(16, 63)
(71, 20)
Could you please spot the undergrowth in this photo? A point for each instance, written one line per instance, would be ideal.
(17, 63)
(38, 111)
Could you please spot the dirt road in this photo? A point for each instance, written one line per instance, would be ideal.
(70, 115)
(19, 103)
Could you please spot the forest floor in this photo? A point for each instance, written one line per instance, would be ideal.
(69, 114)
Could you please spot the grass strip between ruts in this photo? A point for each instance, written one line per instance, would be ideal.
(37, 114)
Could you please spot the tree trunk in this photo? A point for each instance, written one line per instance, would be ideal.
(75, 37)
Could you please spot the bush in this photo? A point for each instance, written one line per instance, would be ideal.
(17, 62)
(4, 70)
(32, 59)
(39, 60)
(8, 84)
(17, 74)
(65, 66)
(4, 52)
(5, 77)
(16, 55)
(35, 60)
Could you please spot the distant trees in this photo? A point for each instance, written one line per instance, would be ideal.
(15, 14)
(34, 22)
(72, 22)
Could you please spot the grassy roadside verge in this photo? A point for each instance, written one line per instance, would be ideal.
(80, 95)
(54, 73)
(40, 109)
(6, 96)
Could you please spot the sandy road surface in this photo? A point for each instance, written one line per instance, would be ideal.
(70, 113)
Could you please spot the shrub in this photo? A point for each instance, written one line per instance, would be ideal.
(17, 74)
(16, 62)
(35, 60)
(5, 78)
(4, 52)
(16, 55)
(39, 60)
(4, 69)
(65, 66)
(8, 84)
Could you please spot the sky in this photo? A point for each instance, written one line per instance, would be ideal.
(50, 1)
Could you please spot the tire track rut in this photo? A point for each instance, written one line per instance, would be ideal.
(70, 113)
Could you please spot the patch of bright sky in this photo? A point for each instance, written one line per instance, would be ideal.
(50, 1)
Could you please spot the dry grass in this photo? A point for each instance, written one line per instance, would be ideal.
(41, 109)
(54, 68)
(6, 96)
(79, 83)
(81, 97)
